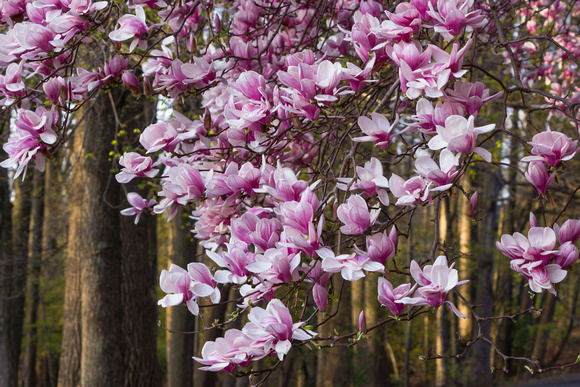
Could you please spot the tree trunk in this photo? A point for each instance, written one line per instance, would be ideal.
(70, 356)
(480, 362)
(464, 265)
(33, 280)
(138, 270)
(16, 268)
(101, 255)
(8, 375)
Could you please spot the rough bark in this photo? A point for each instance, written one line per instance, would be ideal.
(69, 364)
(101, 255)
(70, 357)
(138, 271)
(16, 267)
(33, 280)
(6, 371)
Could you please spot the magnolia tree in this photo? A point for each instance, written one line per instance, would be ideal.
(303, 105)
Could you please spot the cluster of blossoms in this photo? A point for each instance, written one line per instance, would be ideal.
(435, 282)
(33, 131)
(268, 333)
(247, 163)
(536, 257)
(551, 148)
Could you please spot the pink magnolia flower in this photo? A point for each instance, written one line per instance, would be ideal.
(416, 74)
(471, 95)
(552, 147)
(183, 183)
(213, 219)
(452, 15)
(538, 246)
(135, 165)
(34, 130)
(350, 266)
(262, 233)
(569, 232)
(11, 84)
(428, 117)
(357, 77)
(54, 88)
(159, 136)
(355, 215)
(138, 205)
(275, 266)
(459, 135)
(308, 241)
(442, 176)
(370, 180)
(274, 327)
(203, 284)
(435, 282)
(567, 254)
(284, 185)
(537, 175)
(177, 282)
(453, 60)
(234, 261)
(406, 15)
(380, 246)
(543, 277)
(391, 298)
(226, 353)
(412, 191)
(377, 129)
(132, 26)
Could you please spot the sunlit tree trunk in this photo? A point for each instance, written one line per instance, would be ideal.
(464, 265)
(70, 357)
